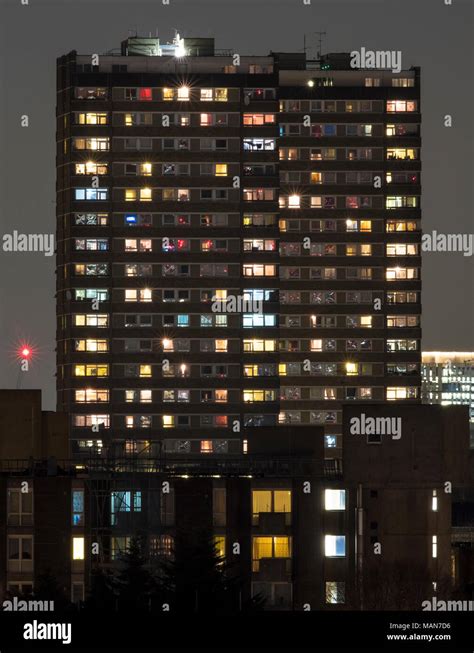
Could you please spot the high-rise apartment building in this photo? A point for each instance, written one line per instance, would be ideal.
(238, 245)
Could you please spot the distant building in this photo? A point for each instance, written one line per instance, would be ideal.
(448, 379)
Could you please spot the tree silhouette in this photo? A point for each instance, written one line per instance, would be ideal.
(133, 584)
(198, 579)
(47, 588)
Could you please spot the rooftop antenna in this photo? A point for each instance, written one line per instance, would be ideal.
(320, 41)
(309, 44)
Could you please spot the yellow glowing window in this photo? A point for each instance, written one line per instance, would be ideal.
(259, 345)
(316, 178)
(145, 194)
(91, 395)
(91, 344)
(219, 544)
(254, 395)
(130, 194)
(399, 393)
(91, 168)
(78, 548)
(129, 120)
(401, 153)
(168, 94)
(220, 295)
(316, 345)
(282, 369)
(271, 501)
(221, 345)
(145, 169)
(168, 421)
(92, 119)
(220, 94)
(282, 501)
(271, 547)
(352, 369)
(250, 370)
(221, 169)
(366, 225)
(261, 501)
(366, 321)
(351, 250)
(262, 548)
(365, 250)
(145, 371)
(91, 370)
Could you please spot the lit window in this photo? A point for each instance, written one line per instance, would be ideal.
(220, 94)
(145, 195)
(334, 499)
(145, 94)
(145, 371)
(335, 592)
(403, 392)
(277, 501)
(168, 421)
(78, 548)
(294, 202)
(434, 501)
(352, 369)
(219, 544)
(206, 446)
(206, 94)
(77, 507)
(167, 344)
(221, 169)
(335, 546)
(269, 547)
(434, 546)
(183, 93)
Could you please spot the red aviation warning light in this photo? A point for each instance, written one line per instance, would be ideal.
(25, 351)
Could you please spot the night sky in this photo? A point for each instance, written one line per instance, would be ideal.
(436, 37)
